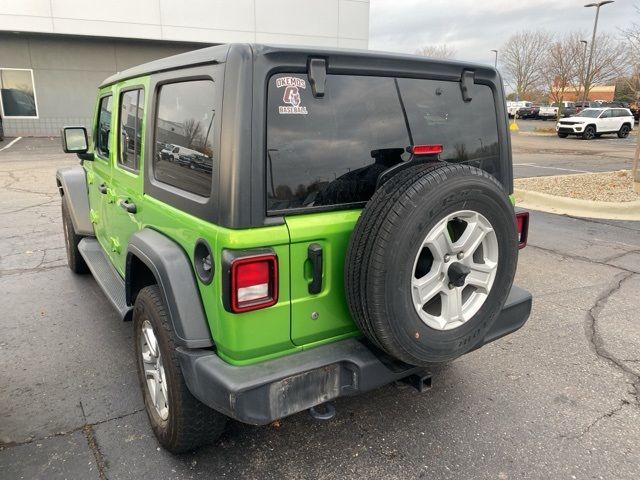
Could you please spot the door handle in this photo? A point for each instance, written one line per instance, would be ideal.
(102, 188)
(128, 206)
(314, 254)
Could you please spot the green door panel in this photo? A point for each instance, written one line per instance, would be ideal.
(125, 184)
(98, 176)
(316, 317)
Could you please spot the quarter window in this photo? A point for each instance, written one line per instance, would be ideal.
(103, 130)
(183, 153)
(131, 115)
(17, 93)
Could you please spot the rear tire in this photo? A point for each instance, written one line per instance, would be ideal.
(71, 240)
(185, 423)
(386, 249)
(624, 131)
(589, 133)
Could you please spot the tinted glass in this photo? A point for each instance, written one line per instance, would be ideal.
(606, 114)
(131, 115)
(103, 133)
(467, 131)
(17, 93)
(328, 151)
(183, 150)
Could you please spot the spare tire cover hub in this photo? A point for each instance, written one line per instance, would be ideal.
(454, 269)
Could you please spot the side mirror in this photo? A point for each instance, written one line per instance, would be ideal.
(74, 140)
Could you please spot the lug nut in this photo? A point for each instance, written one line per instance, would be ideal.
(447, 257)
(451, 286)
(460, 255)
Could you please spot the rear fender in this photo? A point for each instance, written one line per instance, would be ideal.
(174, 275)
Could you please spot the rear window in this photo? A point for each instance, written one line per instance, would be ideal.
(328, 152)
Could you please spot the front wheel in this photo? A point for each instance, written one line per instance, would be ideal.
(589, 133)
(71, 240)
(624, 131)
(179, 421)
(563, 135)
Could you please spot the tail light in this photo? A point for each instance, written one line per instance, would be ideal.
(522, 225)
(425, 149)
(254, 283)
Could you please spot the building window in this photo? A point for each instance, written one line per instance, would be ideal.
(183, 152)
(17, 93)
(131, 114)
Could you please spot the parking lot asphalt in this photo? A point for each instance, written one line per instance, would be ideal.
(557, 399)
(536, 155)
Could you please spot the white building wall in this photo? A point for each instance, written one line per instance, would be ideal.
(332, 23)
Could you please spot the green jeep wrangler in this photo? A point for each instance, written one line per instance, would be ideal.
(286, 226)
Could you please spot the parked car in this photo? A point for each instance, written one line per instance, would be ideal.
(582, 105)
(250, 282)
(567, 109)
(594, 122)
(513, 107)
(530, 112)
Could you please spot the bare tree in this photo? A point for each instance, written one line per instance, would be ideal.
(437, 51)
(192, 131)
(562, 66)
(608, 63)
(523, 58)
(631, 35)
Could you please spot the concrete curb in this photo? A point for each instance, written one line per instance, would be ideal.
(577, 208)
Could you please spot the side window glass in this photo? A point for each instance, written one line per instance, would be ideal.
(183, 153)
(103, 130)
(131, 115)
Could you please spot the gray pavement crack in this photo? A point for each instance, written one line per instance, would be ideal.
(565, 255)
(92, 442)
(81, 428)
(597, 342)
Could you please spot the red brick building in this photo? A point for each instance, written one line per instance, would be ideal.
(597, 92)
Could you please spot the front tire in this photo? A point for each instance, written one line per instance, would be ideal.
(589, 133)
(179, 421)
(71, 240)
(563, 135)
(624, 131)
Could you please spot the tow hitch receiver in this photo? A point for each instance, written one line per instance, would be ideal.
(420, 381)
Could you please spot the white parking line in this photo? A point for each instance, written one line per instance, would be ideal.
(10, 143)
(550, 168)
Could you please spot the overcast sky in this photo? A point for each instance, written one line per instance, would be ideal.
(474, 27)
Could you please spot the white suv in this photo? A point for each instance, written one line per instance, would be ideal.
(593, 122)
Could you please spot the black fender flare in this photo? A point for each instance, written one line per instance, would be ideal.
(72, 186)
(174, 274)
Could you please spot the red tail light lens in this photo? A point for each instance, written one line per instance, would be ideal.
(522, 224)
(426, 149)
(254, 283)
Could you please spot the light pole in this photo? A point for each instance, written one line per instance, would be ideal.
(583, 79)
(593, 42)
(496, 62)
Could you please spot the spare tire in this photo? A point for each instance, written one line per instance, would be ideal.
(431, 262)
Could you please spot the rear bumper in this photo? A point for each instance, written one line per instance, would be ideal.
(261, 393)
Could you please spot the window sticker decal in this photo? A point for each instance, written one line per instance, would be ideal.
(291, 95)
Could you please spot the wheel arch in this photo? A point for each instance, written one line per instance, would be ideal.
(153, 258)
(72, 186)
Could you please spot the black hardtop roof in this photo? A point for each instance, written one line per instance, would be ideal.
(219, 53)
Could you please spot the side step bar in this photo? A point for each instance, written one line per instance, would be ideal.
(110, 281)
